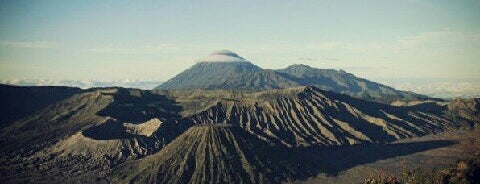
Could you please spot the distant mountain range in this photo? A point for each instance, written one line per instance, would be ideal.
(139, 84)
(435, 88)
(438, 88)
(227, 70)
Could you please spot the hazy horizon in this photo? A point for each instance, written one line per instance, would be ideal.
(154, 41)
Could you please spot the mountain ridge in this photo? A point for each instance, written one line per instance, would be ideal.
(218, 153)
(245, 75)
(104, 128)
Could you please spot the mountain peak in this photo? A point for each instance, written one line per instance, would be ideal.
(299, 67)
(222, 151)
(223, 56)
(225, 69)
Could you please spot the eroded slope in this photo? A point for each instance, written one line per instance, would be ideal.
(203, 154)
(88, 134)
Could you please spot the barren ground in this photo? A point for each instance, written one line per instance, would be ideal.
(464, 143)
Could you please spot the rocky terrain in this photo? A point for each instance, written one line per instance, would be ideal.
(466, 108)
(110, 134)
(207, 153)
(443, 151)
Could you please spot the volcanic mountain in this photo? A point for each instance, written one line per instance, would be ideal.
(212, 153)
(227, 70)
(93, 135)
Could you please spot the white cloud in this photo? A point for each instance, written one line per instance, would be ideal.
(128, 83)
(29, 44)
(439, 88)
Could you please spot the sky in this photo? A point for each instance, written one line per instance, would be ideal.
(155, 40)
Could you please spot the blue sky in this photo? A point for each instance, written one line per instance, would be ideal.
(154, 40)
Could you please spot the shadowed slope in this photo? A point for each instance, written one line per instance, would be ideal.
(110, 123)
(98, 128)
(53, 123)
(298, 116)
(18, 102)
(304, 116)
(102, 128)
(224, 154)
(204, 154)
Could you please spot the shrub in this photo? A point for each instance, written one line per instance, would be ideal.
(465, 171)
